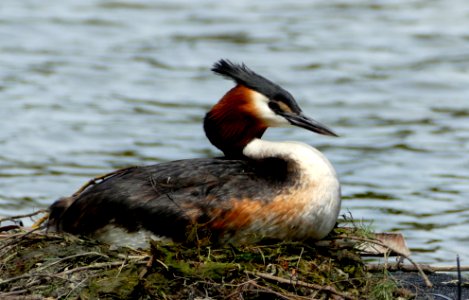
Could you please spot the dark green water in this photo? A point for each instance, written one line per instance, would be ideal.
(90, 86)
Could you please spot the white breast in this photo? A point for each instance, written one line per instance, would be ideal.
(320, 187)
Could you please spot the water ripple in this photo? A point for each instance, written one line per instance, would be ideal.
(90, 86)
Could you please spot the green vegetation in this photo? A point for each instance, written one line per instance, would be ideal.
(67, 267)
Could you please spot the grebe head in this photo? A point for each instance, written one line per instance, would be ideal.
(248, 109)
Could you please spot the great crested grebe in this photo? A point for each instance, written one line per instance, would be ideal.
(260, 189)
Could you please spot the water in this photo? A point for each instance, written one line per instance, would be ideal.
(90, 86)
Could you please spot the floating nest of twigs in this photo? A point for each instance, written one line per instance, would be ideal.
(40, 265)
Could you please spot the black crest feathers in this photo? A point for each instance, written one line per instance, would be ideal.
(241, 74)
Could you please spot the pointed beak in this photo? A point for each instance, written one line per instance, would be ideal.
(305, 122)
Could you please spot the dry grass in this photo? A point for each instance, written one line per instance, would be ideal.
(39, 265)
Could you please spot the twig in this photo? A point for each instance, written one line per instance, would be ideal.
(18, 237)
(133, 257)
(31, 276)
(24, 216)
(262, 254)
(283, 295)
(163, 264)
(93, 266)
(96, 179)
(40, 221)
(12, 293)
(148, 266)
(97, 266)
(313, 286)
(121, 267)
(424, 276)
(239, 287)
(75, 288)
(60, 275)
(69, 257)
(299, 259)
(9, 227)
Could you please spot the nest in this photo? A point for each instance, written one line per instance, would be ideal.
(40, 265)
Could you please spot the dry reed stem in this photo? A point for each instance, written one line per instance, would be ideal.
(424, 276)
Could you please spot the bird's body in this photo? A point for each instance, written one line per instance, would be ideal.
(260, 189)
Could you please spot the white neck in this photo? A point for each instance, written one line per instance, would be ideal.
(313, 163)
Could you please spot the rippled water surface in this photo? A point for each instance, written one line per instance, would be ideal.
(90, 86)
